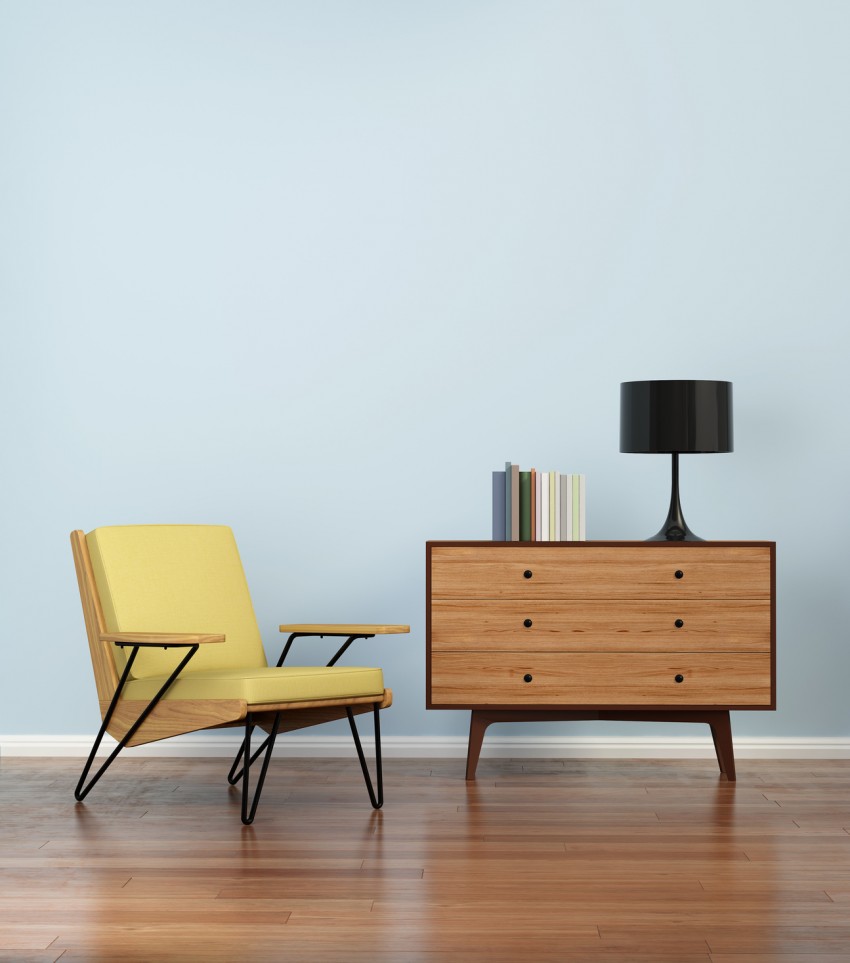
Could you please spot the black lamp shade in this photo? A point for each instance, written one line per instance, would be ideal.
(675, 416)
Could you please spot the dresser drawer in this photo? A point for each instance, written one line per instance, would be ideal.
(590, 679)
(597, 625)
(580, 571)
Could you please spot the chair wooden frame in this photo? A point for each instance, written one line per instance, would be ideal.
(133, 722)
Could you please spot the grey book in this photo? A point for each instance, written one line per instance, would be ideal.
(514, 503)
(507, 501)
(499, 506)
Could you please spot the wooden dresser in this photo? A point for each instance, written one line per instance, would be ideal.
(653, 631)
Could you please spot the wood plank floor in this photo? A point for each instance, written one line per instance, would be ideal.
(605, 861)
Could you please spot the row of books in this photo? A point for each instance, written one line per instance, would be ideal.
(538, 506)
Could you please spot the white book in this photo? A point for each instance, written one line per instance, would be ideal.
(543, 502)
(569, 497)
(582, 527)
(565, 513)
(576, 508)
(557, 528)
(553, 498)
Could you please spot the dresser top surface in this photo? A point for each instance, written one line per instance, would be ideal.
(662, 546)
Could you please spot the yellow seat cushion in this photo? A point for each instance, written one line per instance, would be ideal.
(260, 685)
(176, 578)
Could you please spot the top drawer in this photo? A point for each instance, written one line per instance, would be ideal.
(584, 570)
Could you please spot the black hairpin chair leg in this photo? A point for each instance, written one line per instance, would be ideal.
(376, 800)
(82, 790)
(249, 806)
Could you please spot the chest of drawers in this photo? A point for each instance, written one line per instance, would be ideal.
(608, 630)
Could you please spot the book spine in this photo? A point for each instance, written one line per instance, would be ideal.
(525, 506)
(576, 509)
(544, 506)
(553, 501)
(563, 488)
(514, 503)
(538, 508)
(533, 487)
(557, 506)
(568, 496)
(498, 506)
(507, 501)
(582, 531)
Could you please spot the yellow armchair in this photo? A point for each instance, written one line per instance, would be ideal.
(175, 648)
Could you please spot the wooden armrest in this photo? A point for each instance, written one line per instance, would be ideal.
(330, 629)
(158, 638)
(349, 631)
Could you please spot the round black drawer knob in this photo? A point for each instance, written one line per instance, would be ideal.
(527, 573)
(679, 573)
(680, 678)
(528, 623)
(678, 623)
(527, 677)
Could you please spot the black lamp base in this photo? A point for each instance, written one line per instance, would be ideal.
(675, 528)
(674, 531)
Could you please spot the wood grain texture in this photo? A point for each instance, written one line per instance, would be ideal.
(549, 860)
(591, 625)
(597, 572)
(161, 638)
(172, 717)
(601, 625)
(329, 628)
(384, 700)
(102, 656)
(295, 718)
(581, 678)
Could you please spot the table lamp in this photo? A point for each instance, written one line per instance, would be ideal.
(675, 417)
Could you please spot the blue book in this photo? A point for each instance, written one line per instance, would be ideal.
(498, 506)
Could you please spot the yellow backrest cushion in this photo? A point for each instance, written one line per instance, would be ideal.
(176, 578)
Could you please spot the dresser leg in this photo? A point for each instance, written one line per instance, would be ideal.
(478, 723)
(717, 720)
(721, 732)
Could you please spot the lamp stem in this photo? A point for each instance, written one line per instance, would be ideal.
(675, 529)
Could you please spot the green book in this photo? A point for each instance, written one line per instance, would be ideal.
(525, 506)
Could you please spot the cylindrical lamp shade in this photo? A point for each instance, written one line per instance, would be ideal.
(675, 416)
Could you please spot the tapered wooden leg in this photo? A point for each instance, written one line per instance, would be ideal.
(717, 719)
(478, 723)
(721, 733)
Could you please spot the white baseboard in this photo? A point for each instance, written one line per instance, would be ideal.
(450, 747)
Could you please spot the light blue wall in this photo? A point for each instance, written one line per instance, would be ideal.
(315, 269)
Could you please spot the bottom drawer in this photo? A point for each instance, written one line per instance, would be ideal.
(600, 679)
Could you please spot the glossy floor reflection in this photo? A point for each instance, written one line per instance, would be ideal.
(539, 860)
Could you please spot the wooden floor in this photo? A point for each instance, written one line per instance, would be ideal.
(628, 861)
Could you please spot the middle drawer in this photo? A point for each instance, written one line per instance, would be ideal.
(589, 625)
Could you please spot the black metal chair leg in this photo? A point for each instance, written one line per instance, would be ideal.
(233, 776)
(376, 800)
(81, 790)
(245, 751)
